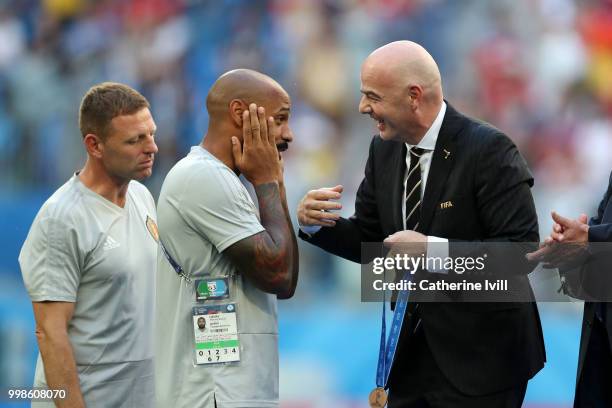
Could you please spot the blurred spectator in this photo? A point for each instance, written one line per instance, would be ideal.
(538, 69)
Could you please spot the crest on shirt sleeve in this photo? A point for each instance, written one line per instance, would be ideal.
(152, 227)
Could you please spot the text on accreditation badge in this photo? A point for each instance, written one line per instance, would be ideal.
(216, 334)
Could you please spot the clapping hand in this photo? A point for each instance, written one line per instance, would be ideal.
(566, 245)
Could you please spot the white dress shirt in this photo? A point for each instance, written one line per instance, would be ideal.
(435, 245)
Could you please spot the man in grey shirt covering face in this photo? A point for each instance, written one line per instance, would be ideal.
(89, 262)
(210, 227)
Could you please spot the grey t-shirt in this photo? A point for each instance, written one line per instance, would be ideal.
(84, 249)
(203, 209)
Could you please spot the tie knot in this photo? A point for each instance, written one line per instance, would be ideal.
(417, 151)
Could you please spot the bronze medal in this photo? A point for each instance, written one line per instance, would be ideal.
(378, 398)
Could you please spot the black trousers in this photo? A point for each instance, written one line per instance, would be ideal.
(423, 385)
(594, 388)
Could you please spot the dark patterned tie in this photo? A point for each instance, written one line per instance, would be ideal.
(413, 189)
(413, 202)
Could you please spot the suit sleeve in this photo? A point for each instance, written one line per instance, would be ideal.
(592, 280)
(505, 207)
(598, 231)
(345, 238)
(504, 199)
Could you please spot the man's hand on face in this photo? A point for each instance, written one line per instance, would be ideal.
(257, 158)
(566, 245)
(316, 208)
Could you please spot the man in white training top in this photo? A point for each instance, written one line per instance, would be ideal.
(228, 263)
(89, 262)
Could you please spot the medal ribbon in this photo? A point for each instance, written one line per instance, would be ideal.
(386, 353)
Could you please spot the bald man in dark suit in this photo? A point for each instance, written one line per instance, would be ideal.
(435, 176)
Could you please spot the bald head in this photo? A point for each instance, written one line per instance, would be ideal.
(241, 84)
(228, 100)
(402, 91)
(406, 63)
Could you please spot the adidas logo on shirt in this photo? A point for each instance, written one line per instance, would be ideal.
(110, 243)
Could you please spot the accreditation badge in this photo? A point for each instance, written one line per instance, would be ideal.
(212, 289)
(215, 331)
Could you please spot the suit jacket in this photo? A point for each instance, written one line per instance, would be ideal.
(481, 348)
(597, 275)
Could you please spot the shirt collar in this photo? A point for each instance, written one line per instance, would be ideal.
(428, 142)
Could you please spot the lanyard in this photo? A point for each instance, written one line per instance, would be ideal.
(177, 268)
(387, 350)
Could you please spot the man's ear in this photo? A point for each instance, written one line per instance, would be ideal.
(93, 145)
(415, 93)
(236, 107)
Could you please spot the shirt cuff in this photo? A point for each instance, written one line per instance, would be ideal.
(310, 230)
(437, 248)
